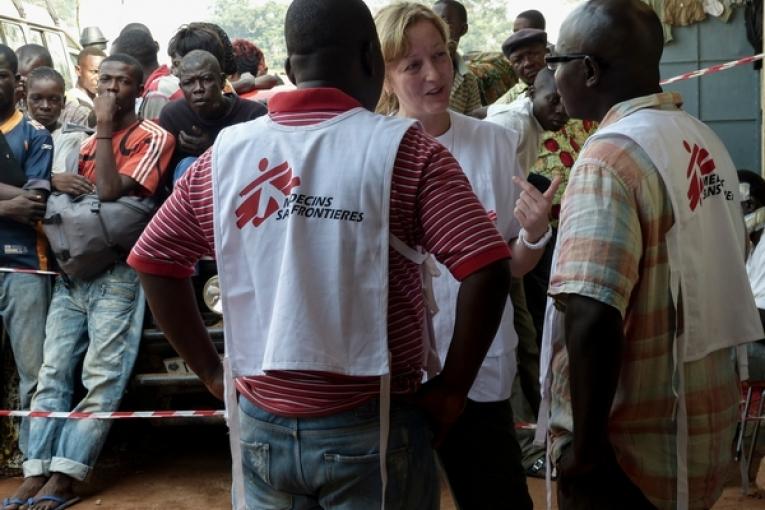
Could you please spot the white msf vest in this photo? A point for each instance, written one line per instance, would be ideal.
(707, 243)
(487, 155)
(301, 237)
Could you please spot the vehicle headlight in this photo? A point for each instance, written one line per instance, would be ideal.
(211, 295)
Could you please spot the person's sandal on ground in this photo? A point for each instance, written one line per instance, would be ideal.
(539, 469)
(61, 502)
(27, 489)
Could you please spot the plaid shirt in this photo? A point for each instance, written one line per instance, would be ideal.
(612, 248)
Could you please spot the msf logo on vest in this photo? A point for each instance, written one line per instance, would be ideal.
(703, 181)
(266, 193)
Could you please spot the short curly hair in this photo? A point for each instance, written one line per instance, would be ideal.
(249, 58)
(204, 36)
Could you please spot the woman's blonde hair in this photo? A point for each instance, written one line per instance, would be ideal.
(392, 23)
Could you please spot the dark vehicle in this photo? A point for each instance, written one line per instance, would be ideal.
(161, 378)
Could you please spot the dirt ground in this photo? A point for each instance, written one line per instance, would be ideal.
(186, 467)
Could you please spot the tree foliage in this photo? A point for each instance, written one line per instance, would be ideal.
(65, 9)
(263, 23)
(489, 25)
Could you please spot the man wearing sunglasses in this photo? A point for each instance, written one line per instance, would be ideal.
(651, 245)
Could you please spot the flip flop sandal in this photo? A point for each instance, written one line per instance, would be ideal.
(62, 503)
(13, 501)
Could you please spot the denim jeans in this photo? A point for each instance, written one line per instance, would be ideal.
(101, 320)
(182, 166)
(24, 300)
(333, 462)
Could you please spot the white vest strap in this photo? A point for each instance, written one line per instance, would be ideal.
(234, 437)
(384, 430)
(428, 271)
(681, 409)
(552, 335)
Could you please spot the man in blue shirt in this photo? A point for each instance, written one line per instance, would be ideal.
(25, 166)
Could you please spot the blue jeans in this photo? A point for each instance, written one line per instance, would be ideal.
(24, 300)
(182, 166)
(102, 321)
(333, 462)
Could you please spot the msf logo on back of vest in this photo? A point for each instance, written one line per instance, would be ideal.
(703, 181)
(268, 192)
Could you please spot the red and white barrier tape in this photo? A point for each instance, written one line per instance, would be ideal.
(27, 271)
(713, 69)
(126, 415)
(115, 415)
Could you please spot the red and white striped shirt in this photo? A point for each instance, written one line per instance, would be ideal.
(142, 151)
(432, 205)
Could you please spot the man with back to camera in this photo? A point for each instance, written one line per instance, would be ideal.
(643, 380)
(314, 146)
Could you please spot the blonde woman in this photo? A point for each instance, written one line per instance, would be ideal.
(480, 454)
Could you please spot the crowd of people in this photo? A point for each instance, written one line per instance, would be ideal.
(417, 249)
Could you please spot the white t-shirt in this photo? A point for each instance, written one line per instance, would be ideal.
(66, 149)
(518, 116)
(487, 155)
(755, 269)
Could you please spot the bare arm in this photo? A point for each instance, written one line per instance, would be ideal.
(8, 192)
(532, 211)
(480, 304)
(110, 185)
(174, 306)
(595, 343)
(27, 207)
(249, 83)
